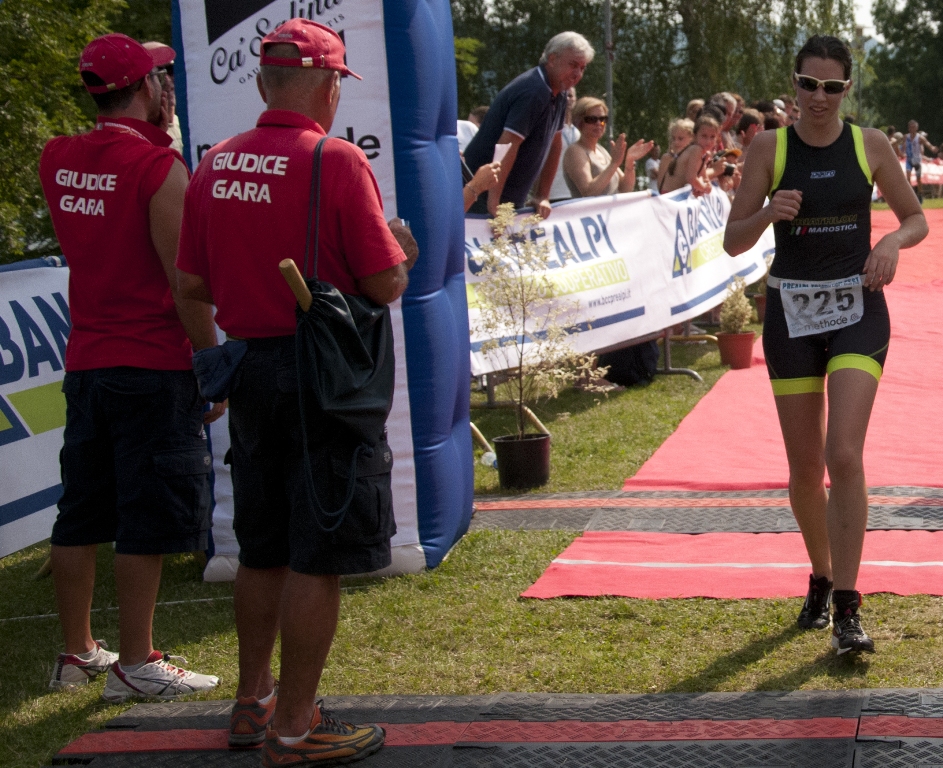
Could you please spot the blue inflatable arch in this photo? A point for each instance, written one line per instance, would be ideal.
(423, 107)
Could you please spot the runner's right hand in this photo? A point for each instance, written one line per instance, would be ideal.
(784, 205)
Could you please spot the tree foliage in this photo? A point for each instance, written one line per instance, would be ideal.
(665, 52)
(40, 43)
(909, 65)
(41, 96)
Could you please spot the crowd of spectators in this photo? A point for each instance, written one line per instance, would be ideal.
(706, 145)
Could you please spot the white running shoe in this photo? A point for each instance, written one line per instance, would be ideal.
(156, 679)
(72, 671)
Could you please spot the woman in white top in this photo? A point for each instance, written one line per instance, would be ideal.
(589, 169)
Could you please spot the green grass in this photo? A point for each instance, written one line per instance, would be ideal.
(600, 440)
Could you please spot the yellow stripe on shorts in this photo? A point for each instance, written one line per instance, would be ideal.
(860, 362)
(798, 386)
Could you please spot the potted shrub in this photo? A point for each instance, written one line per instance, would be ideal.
(736, 345)
(527, 332)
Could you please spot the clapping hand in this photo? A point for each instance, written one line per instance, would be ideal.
(617, 150)
(637, 151)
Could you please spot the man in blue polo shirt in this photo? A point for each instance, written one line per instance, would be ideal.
(528, 114)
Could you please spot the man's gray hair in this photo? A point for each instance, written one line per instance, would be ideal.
(568, 41)
(276, 77)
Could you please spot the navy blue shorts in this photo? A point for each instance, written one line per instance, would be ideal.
(135, 465)
(275, 524)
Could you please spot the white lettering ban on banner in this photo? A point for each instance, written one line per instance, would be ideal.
(34, 326)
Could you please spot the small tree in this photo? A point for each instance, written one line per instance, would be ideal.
(736, 311)
(526, 326)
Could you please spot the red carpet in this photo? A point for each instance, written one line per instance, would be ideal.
(731, 565)
(731, 440)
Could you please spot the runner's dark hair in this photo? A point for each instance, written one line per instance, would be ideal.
(825, 47)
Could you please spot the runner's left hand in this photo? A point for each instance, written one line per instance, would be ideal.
(881, 265)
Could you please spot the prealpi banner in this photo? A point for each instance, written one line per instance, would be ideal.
(34, 326)
(631, 264)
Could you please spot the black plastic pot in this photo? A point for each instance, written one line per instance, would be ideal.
(523, 462)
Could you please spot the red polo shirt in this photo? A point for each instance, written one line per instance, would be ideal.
(99, 186)
(247, 209)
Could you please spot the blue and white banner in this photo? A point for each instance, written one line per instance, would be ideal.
(34, 326)
(633, 265)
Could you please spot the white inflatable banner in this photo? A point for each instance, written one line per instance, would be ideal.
(220, 51)
(221, 41)
(633, 264)
(34, 326)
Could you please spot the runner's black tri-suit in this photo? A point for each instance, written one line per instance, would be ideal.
(829, 239)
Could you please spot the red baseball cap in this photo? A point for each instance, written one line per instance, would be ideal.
(119, 61)
(319, 46)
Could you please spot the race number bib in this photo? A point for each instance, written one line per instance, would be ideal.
(817, 307)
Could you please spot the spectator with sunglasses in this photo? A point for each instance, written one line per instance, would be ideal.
(830, 341)
(588, 168)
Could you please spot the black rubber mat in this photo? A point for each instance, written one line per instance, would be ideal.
(691, 754)
(388, 757)
(907, 702)
(901, 753)
(686, 511)
(764, 729)
(791, 705)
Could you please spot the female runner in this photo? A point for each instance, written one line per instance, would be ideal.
(825, 314)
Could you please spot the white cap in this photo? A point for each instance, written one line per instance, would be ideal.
(779, 103)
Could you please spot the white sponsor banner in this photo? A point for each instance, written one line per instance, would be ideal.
(634, 264)
(221, 46)
(34, 325)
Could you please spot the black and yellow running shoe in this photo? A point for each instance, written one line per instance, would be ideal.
(330, 741)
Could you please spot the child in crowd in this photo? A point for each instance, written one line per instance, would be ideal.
(680, 136)
(693, 165)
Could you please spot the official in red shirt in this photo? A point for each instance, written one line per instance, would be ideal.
(135, 468)
(246, 210)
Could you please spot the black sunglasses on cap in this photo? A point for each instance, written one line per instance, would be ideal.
(809, 83)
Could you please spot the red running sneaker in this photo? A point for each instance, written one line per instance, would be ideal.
(249, 719)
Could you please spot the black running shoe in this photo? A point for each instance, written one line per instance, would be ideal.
(815, 613)
(847, 634)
